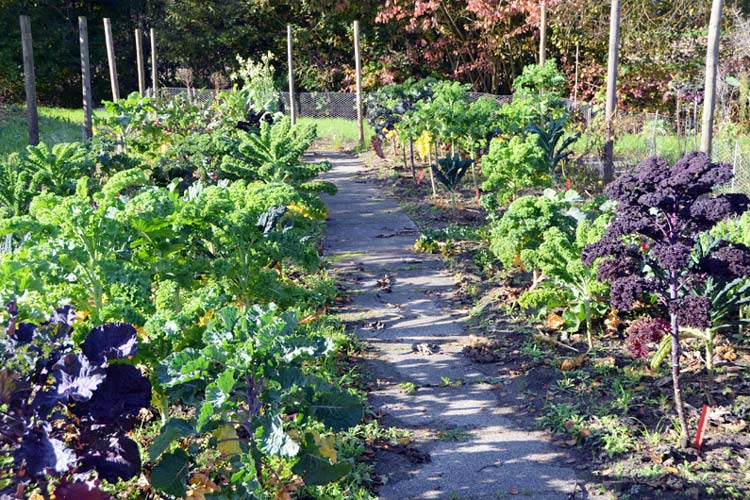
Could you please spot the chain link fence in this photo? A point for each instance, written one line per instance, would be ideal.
(637, 135)
(199, 97)
(642, 135)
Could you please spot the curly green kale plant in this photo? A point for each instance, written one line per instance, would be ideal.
(80, 249)
(524, 224)
(274, 155)
(574, 284)
(512, 165)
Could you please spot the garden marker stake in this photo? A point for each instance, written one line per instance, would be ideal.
(701, 427)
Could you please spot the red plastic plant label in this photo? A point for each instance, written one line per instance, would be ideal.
(701, 427)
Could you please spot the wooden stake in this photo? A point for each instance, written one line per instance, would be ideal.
(83, 40)
(139, 59)
(543, 35)
(712, 61)
(111, 59)
(290, 63)
(575, 85)
(29, 78)
(154, 79)
(358, 67)
(611, 104)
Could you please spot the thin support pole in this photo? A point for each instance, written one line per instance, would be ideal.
(139, 60)
(154, 78)
(111, 58)
(358, 67)
(575, 85)
(543, 34)
(290, 64)
(712, 62)
(611, 104)
(29, 77)
(83, 40)
(734, 162)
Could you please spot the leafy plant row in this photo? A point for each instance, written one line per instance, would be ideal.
(179, 251)
(521, 144)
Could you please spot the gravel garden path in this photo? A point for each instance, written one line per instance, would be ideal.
(466, 446)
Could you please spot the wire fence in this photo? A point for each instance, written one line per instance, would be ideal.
(642, 135)
(637, 135)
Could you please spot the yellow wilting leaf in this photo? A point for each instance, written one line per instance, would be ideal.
(203, 321)
(328, 448)
(311, 317)
(326, 445)
(555, 321)
(423, 145)
(141, 332)
(228, 441)
(200, 484)
(726, 352)
(82, 315)
(391, 134)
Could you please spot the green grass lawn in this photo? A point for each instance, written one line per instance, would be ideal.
(55, 125)
(338, 133)
(65, 125)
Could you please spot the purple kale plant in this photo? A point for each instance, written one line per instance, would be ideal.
(648, 250)
(645, 331)
(64, 412)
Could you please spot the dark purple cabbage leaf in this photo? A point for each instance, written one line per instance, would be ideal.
(68, 409)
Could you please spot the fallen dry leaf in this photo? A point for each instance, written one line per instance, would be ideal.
(569, 364)
(555, 321)
(612, 321)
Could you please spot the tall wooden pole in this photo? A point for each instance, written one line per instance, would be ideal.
(358, 67)
(712, 61)
(575, 85)
(111, 59)
(29, 77)
(83, 40)
(543, 35)
(154, 79)
(611, 104)
(290, 63)
(139, 60)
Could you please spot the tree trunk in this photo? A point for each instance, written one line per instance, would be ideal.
(712, 61)
(614, 45)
